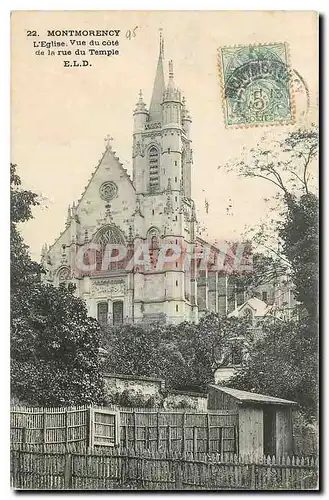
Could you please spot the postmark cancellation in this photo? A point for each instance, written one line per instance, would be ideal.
(256, 85)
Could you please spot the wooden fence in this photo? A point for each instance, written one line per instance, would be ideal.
(87, 427)
(151, 470)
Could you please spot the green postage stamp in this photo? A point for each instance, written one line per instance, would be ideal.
(256, 85)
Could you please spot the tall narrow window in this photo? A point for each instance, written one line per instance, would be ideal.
(102, 311)
(117, 312)
(154, 167)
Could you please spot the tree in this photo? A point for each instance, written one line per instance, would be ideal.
(185, 355)
(288, 165)
(24, 272)
(54, 345)
(283, 362)
(61, 364)
(299, 234)
(266, 269)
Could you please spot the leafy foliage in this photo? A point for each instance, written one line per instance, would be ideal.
(54, 345)
(299, 233)
(287, 164)
(24, 272)
(266, 269)
(283, 363)
(185, 355)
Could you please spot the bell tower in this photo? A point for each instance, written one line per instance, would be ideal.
(162, 160)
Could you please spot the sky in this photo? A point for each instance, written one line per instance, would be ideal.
(60, 116)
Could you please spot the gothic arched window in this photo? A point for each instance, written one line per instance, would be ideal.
(154, 169)
(108, 235)
(63, 274)
(153, 238)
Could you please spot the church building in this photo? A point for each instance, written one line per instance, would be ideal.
(155, 206)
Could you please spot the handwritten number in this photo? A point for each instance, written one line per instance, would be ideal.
(131, 33)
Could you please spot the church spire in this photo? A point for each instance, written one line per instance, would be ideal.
(161, 44)
(155, 113)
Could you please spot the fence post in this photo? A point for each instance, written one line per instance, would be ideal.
(124, 468)
(222, 442)
(195, 440)
(44, 430)
(91, 428)
(147, 437)
(68, 471)
(253, 477)
(135, 431)
(178, 474)
(158, 431)
(236, 440)
(66, 429)
(183, 431)
(23, 435)
(208, 433)
(126, 435)
(169, 438)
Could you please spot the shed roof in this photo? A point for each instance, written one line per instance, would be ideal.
(252, 397)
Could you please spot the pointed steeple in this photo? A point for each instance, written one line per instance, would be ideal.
(172, 93)
(155, 113)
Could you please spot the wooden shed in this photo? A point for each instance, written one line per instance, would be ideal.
(264, 422)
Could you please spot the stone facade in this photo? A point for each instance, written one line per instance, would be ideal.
(155, 206)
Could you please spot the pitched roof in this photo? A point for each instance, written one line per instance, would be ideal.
(259, 307)
(252, 397)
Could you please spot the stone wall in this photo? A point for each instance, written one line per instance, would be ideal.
(146, 385)
(188, 400)
(144, 388)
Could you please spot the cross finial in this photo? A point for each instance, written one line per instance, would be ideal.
(108, 139)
